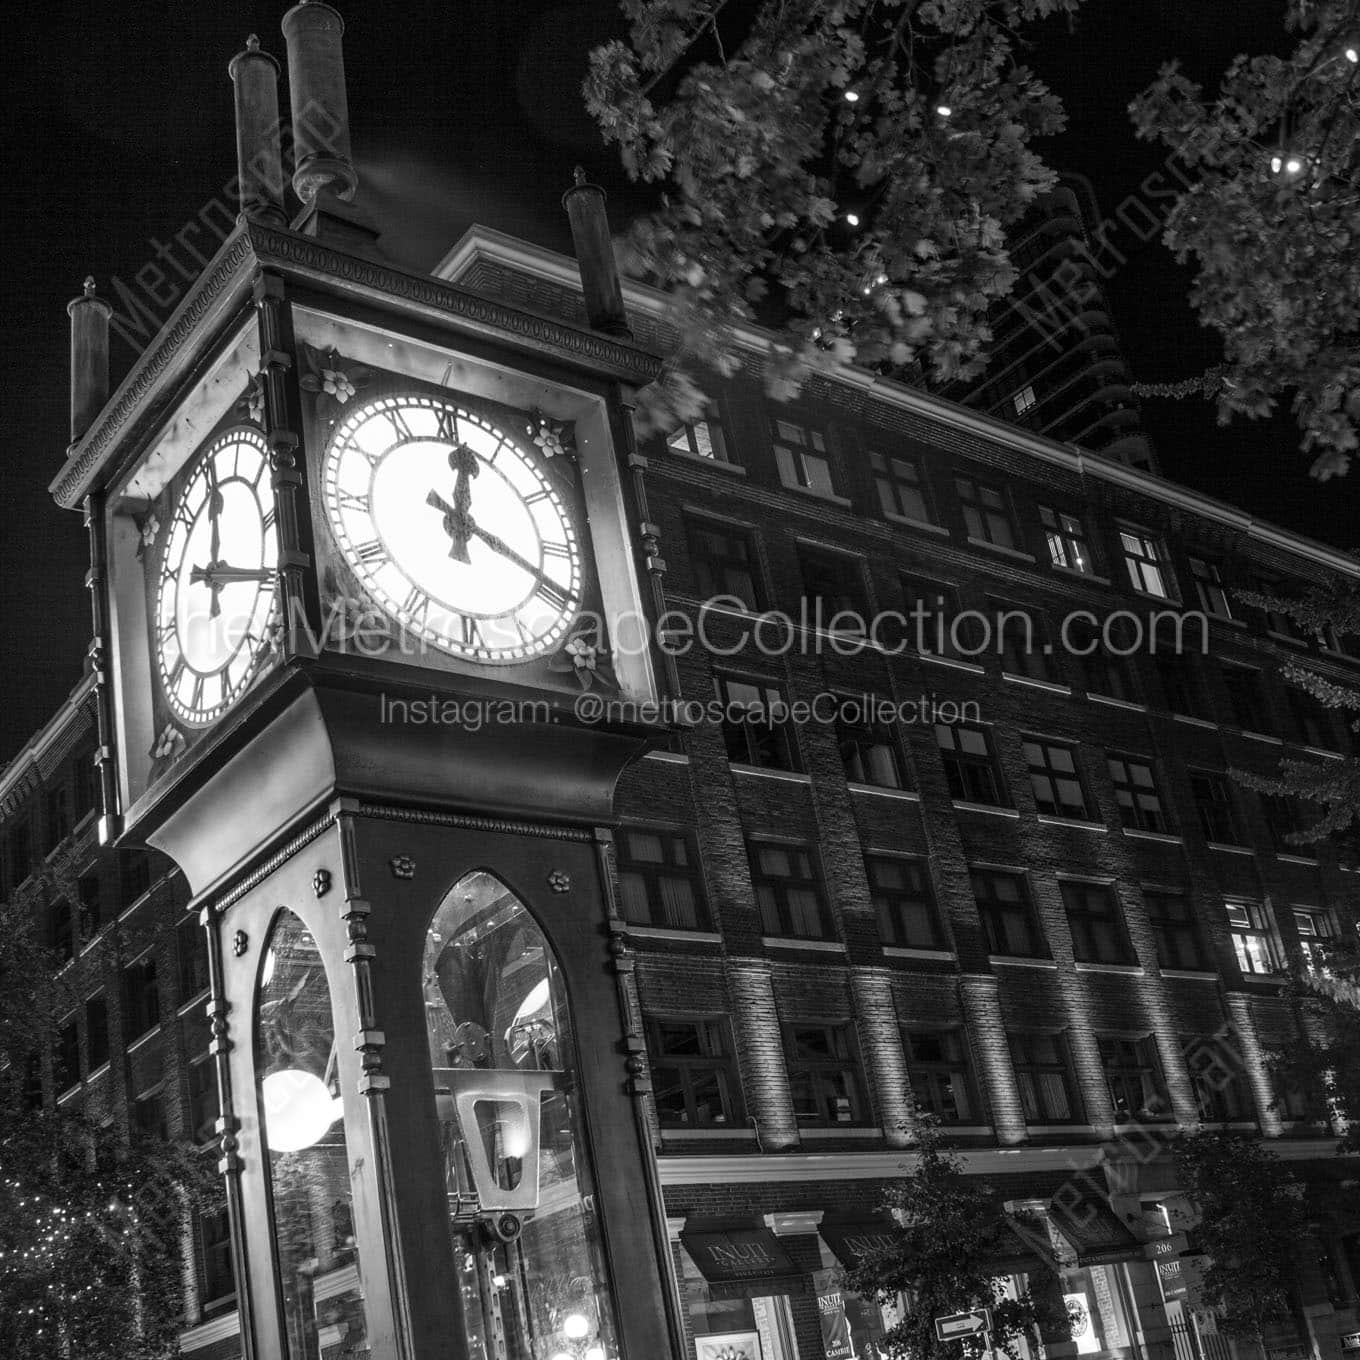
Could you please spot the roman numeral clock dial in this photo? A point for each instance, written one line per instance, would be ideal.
(216, 587)
(454, 529)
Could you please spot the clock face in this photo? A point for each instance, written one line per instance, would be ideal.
(454, 528)
(216, 591)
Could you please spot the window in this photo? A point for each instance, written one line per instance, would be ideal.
(1055, 780)
(1278, 619)
(868, 750)
(1135, 790)
(58, 820)
(1103, 669)
(1145, 561)
(1217, 1077)
(1251, 939)
(823, 1074)
(141, 1000)
(986, 512)
(214, 1238)
(91, 905)
(788, 891)
(1133, 1077)
(148, 1118)
(85, 785)
(700, 439)
(1214, 804)
(723, 559)
(1009, 925)
(833, 585)
(1096, 922)
(969, 765)
(1044, 1076)
(1175, 932)
(941, 1082)
(903, 902)
(67, 1056)
(134, 877)
(755, 724)
(1182, 687)
(934, 627)
(802, 457)
(1246, 698)
(1025, 400)
(192, 943)
(901, 492)
(1213, 598)
(63, 931)
(1285, 818)
(1066, 538)
(19, 853)
(1316, 928)
(203, 1106)
(97, 1031)
(1023, 641)
(1312, 724)
(694, 1076)
(659, 879)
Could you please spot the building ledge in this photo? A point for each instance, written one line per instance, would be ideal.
(1001, 550)
(1077, 823)
(882, 791)
(1111, 702)
(920, 525)
(988, 809)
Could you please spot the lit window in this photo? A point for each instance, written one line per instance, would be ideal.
(802, 457)
(1144, 558)
(1316, 929)
(1066, 538)
(1025, 399)
(1213, 598)
(1251, 939)
(700, 439)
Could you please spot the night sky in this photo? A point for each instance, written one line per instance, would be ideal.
(119, 133)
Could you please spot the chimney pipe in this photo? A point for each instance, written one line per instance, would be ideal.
(89, 358)
(316, 85)
(259, 161)
(595, 256)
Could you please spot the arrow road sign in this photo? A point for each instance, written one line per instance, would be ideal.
(960, 1326)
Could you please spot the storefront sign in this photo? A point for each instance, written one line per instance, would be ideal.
(1165, 1246)
(836, 1343)
(853, 1239)
(736, 1253)
(1171, 1277)
(1350, 1341)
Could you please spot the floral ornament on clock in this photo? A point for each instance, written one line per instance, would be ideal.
(552, 438)
(169, 744)
(148, 526)
(251, 405)
(585, 656)
(349, 620)
(332, 378)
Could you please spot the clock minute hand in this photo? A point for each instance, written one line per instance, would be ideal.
(218, 574)
(499, 545)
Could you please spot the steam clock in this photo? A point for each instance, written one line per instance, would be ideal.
(360, 542)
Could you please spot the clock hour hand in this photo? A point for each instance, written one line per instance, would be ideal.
(457, 524)
(218, 574)
(499, 545)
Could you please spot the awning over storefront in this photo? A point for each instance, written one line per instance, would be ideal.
(733, 1250)
(852, 1239)
(1096, 1234)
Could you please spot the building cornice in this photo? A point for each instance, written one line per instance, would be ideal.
(24, 773)
(480, 243)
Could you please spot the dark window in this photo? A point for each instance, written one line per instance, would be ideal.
(659, 879)
(58, 819)
(1182, 686)
(1217, 1077)
(1043, 1073)
(869, 751)
(1133, 1077)
(941, 1082)
(833, 584)
(134, 877)
(1055, 779)
(1246, 698)
(986, 512)
(723, 559)
(19, 853)
(1023, 641)
(1009, 924)
(1145, 562)
(1097, 923)
(67, 1057)
(903, 902)
(1135, 790)
(1213, 597)
(788, 891)
(33, 1082)
(1278, 619)
(1175, 931)
(91, 904)
(148, 1118)
(1066, 538)
(214, 1237)
(63, 931)
(824, 1074)
(969, 765)
(1252, 940)
(141, 999)
(1312, 722)
(755, 724)
(701, 438)
(97, 1030)
(203, 1104)
(899, 486)
(85, 785)
(1214, 804)
(192, 942)
(933, 624)
(694, 1074)
(1285, 818)
(801, 454)
(1103, 669)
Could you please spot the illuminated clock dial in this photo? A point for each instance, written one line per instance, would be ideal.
(216, 590)
(454, 528)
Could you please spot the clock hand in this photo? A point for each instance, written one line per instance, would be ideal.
(218, 574)
(457, 524)
(215, 528)
(499, 545)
